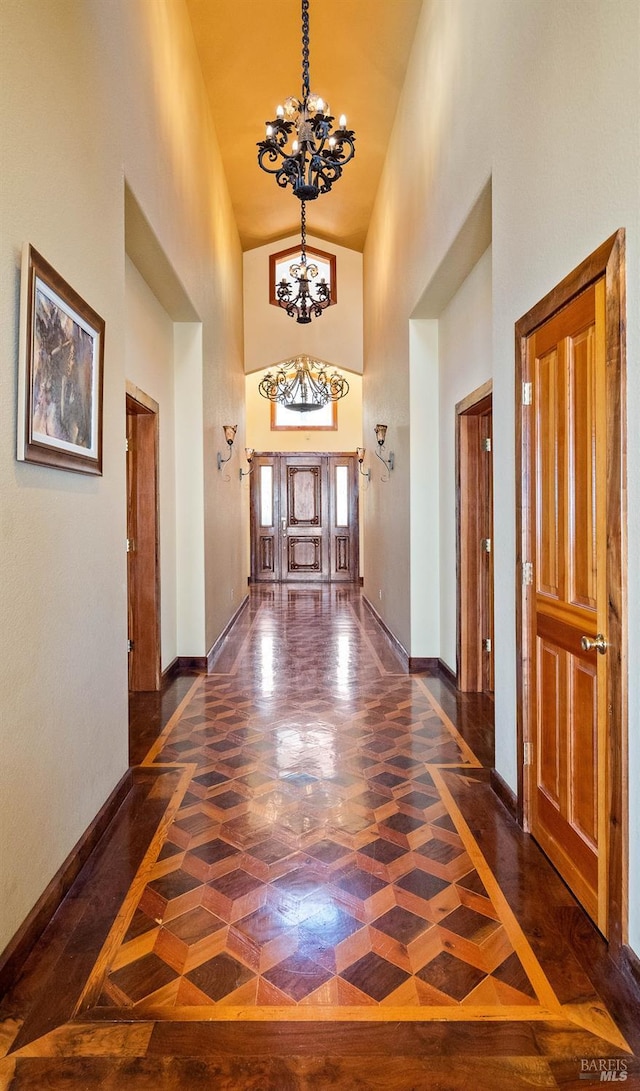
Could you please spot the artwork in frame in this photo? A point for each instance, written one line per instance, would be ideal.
(324, 419)
(60, 372)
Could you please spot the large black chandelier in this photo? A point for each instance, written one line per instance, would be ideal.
(309, 299)
(303, 384)
(317, 155)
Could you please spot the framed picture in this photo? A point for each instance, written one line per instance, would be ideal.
(318, 420)
(60, 372)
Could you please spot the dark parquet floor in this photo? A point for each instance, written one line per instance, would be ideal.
(312, 885)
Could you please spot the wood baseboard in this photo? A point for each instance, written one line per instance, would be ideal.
(170, 672)
(201, 664)
(414, 663)
(401, 650)
(423, 664)
(445, 671)
(217, 645)
(189, 664)
(14, 955)
(504, 793)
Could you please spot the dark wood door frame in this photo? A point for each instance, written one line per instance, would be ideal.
(607, 261)
(474, 572)
(143, 545)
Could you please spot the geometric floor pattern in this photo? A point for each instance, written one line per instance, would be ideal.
(314, 865)
(293, 895)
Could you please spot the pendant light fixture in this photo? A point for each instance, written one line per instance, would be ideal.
(303, 384)
(300, 298)
(315, 159)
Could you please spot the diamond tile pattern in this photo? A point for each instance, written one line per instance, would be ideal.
(312, 860)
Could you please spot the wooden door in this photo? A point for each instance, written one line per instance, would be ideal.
(474, 540)
(304, 517)
(143, 568)
(568, 397)
(304, 540)
(570, 677)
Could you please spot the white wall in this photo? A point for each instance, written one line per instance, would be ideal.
(425, 459)
(92, 93)
(270, 335)
(149, 365)
(544, 99)
(187, 343)
(465, 364)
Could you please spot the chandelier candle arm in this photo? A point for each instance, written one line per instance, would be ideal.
(317, 154)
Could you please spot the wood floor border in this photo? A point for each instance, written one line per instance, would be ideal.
(15, 954)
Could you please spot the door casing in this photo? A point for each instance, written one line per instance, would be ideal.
(474, 521)
(607, 262)
(143, 522)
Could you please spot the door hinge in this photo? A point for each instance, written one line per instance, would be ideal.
(130, 645)
(126, 444)
(527, 573)
(486, 643)
(486, 443)
(131, 545)
(527, 753)
(527, 393)
(485, 544)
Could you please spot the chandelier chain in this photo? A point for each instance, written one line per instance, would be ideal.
(303, 230)
(305, 50)
(302, 147)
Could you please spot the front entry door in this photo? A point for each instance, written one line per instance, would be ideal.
(571, 678)
(304, 517)
(304, 542)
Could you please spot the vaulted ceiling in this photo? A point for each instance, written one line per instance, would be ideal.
(250, 52)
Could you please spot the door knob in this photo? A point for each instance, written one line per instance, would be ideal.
(599, 644)
(284, 523)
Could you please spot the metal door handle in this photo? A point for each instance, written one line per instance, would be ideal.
(599, 644)
(284, 523)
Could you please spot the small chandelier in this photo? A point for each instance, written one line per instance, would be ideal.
(303, 384)
(316, 157)
(310, 299)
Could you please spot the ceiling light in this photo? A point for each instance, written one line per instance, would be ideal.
(309, 299)
(303, 384)
(317, 155)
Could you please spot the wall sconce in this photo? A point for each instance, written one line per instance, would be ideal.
(381, 435)
(249, 453)
(365, 473)
(229, 434)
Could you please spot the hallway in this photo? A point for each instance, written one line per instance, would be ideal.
(312, 885)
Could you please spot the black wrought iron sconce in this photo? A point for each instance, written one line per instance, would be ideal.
(249, 453)
(365, 473)
(229, 434)
(381, 435)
